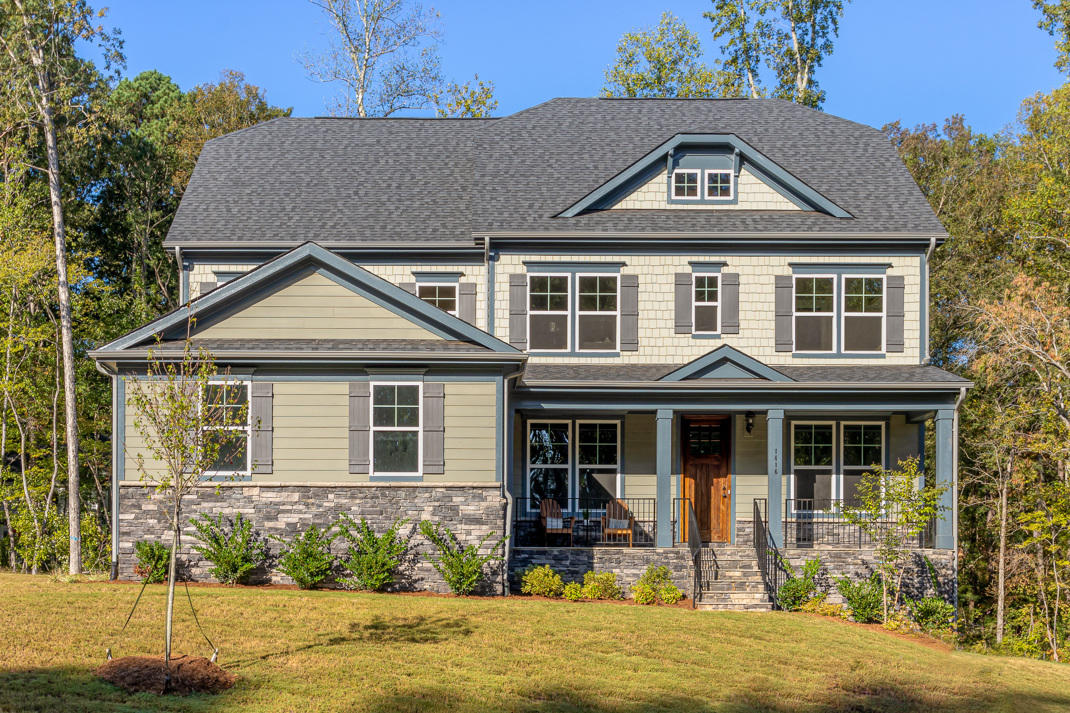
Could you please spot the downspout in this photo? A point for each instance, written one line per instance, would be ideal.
(507, 435)
(183, 284)
(928, 261)
(489, 260)
(115, 455)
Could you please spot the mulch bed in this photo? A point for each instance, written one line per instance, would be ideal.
(189, 674)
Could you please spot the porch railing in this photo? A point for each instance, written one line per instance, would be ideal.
(588, 520)
(770, 561)
(684, 513)
(812, 522)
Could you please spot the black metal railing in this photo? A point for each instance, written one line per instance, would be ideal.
(810, 522)
(586, 522)
(770, 561)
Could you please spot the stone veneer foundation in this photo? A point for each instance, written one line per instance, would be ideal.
(627, 562)
(470, 510)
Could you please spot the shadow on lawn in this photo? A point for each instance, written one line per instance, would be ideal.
(73, 689)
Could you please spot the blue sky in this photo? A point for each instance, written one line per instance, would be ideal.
(914, 60)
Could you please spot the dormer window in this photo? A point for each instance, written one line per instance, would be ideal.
(685, 184)
(719, 185)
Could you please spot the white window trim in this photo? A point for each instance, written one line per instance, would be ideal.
(456, 295)
(419, 429)
(579, 313)
(844, 314)
(695, 303)
(247, 428)
(795, 313)
(619, 483)
(567, 312)
(528, 465)
(791, 480)
(731, 185)
(843, 444)
(699, 188)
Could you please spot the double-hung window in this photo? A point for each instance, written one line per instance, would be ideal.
(706, 303)
(863, 448)
(548, 312)
(815, 313)
(443, 296)
(225, 410)
(597, 313)
(863, 313)
(549, 462)
(685, 184)
(598, 449)
(395, 430)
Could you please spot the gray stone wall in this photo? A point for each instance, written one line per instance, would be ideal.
(861, 563)
(627, 562)
(470, 511)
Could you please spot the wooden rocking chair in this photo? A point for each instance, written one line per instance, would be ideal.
(553, 522)
(618, 521)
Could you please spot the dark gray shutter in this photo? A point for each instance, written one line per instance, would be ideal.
(895, 286)
(466, 301)
(434, 419)
(260, 420)
(729, 303)
(204, 288)
(360, 409)
(683, 302)
(518, 310)
(409, 287)
(629, 313)
(785, 289)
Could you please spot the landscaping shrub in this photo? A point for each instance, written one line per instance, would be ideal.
(573, 592)
(818, 605)
(864, 598)
(307, 560)
(601, 585)
(152, 561)
(932, 614)
(542, 581)
(461, 567)
(371, 560)
(655, 585)
(799, 588)
(229, 545)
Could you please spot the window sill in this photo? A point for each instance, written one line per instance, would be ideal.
(380, 478)
(221, 478)
(706, 336)
(838, 355)
(574, 354)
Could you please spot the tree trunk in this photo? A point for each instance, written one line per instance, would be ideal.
(1001, 566)
(44, 105)
(171, 576)
(10, 536)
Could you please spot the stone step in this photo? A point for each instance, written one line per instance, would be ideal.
(756, 607)
(717, 588)
(752, 575)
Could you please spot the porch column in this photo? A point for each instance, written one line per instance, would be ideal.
(664, 474)
(774, 460)
(944, 469)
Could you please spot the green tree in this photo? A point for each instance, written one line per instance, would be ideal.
(664, 61)
(471, 100)
(1055, 19)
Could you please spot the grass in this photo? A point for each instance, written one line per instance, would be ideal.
(339, 651)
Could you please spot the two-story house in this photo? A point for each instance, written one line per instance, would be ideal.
(602, 327)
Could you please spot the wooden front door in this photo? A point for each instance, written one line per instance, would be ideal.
(706, 479)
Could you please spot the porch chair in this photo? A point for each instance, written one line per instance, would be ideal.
(553, 522)
(617, 521)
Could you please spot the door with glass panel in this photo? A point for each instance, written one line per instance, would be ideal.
(706, 481)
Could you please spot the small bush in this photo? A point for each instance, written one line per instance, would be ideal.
(573, 592)
(932, 614)
(818, 605)
(655, 585)
(152, 561)
(461, 567)
(542, 581)
(229, 545)
(601, 585)
(371, 560)
(799, 588)
(864, 598)
(307, 560)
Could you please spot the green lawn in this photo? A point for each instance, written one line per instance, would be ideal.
(337, 651)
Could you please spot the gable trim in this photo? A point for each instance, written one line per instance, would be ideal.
(753, 157)
(347, 274)
(730, 355)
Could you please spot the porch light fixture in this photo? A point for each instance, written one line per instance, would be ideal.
(749, 421)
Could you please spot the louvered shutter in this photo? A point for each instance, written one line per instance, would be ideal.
(359, 426)
(260, 419)
(683, 302)
(730, 303)
(434, 428)
(784, 313)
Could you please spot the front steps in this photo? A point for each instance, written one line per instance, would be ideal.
(731, 580)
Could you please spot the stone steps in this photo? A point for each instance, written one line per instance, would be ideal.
(731, 580)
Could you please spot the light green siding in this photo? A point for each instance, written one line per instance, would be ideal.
(315, 307)
(640, 451)
(470, 421)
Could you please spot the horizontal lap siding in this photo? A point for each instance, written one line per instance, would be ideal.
(752, 480)
(315, 307)
(135, 444)
(470, 432)
(639, 441)
(311, 437)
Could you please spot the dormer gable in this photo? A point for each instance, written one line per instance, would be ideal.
(725, 363)
(705, 172)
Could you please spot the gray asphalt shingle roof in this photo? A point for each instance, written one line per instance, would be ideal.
(860, 375)
(434, 181)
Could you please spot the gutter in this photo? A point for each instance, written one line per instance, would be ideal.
(686, 236)
(790, 386)
(347, 355)
(507, 433)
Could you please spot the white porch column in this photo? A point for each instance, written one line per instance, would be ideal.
(664, 478)
(775, 468)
